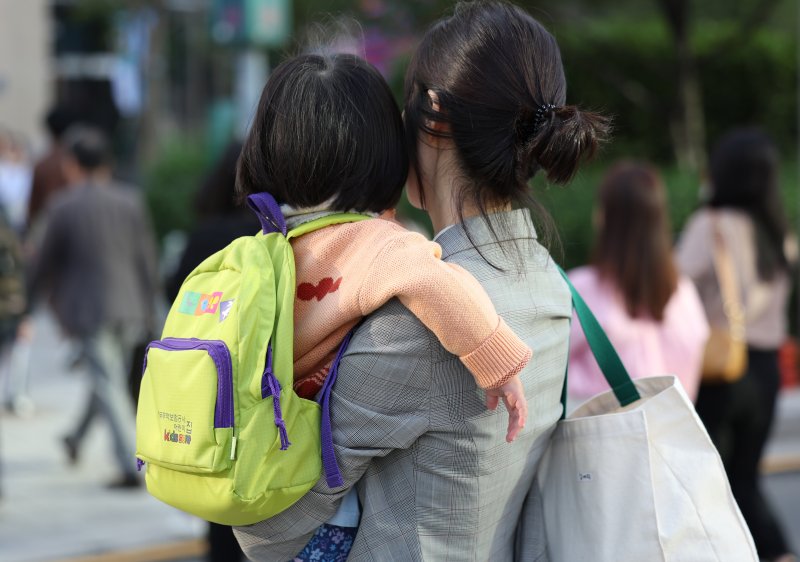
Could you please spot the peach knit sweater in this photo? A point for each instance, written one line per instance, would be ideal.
(347, 271)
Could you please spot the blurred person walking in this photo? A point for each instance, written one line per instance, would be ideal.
(744, 211)
(97, 263)
(48, 173)
(651, 314)
(14, 329)
(12, 308)
(15, 179)
(14, 184)
(25, 201)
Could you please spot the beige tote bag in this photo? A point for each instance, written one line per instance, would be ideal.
(632, 476)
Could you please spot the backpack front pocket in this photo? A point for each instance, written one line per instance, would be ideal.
(185, 415)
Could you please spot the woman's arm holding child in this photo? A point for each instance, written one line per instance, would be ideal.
(454, 306)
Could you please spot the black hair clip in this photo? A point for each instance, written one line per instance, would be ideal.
(540, 114)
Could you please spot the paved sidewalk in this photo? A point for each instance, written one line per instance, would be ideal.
(783, 450)
(51, 511)
(782, 467)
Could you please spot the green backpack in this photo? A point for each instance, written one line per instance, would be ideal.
(216, 407)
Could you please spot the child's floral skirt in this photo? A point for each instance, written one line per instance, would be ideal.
(331, 543)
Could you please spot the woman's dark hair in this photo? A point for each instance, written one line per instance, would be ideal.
(217, 194)
(326, 128)
(744, 176)
(633, 249)
(500, 85)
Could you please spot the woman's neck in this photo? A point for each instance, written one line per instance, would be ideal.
(444, 187)
(443, 210)
(446, 209)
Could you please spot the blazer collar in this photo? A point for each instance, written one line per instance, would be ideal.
(508, 225)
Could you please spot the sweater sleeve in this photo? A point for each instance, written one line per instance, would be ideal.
(450, 302)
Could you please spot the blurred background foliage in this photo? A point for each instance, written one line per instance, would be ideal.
(674, 74)
(171, 179)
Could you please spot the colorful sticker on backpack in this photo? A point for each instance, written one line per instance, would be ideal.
(197, 304)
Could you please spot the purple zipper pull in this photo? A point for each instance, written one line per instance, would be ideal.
(139, 464)
(271, 387)
(282, 432)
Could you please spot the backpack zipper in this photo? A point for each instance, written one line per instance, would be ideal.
(218, 351)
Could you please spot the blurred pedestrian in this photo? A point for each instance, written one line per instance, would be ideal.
(744, 210)
(15, 179)
(48, 173)
(15, 173)
(651, 314)
(12, 308)
(221, 219)
(97, 262)
(14, 330)
(45, 181)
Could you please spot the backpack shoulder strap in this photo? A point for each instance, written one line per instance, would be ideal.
(333, 475)
(272, 220)
(268, 212)
(322, 222)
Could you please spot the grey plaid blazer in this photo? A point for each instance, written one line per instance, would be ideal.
(435, 478)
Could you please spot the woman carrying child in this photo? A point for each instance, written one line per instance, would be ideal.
(485, 110)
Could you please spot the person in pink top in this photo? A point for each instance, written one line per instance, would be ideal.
(652, 315)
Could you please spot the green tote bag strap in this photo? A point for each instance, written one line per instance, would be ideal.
(610, 364)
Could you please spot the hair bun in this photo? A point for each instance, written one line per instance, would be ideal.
(561, 137)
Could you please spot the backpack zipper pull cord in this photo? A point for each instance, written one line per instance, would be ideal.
(271, 387)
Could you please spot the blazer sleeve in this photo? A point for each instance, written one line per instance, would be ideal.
(379, 404)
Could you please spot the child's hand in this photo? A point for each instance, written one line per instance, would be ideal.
(513, 395)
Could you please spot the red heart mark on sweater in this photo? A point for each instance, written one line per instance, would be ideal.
(309, 291)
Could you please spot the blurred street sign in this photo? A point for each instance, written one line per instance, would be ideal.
(265, 23)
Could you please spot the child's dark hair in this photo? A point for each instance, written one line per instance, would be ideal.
(500, 85)
(326, 128)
